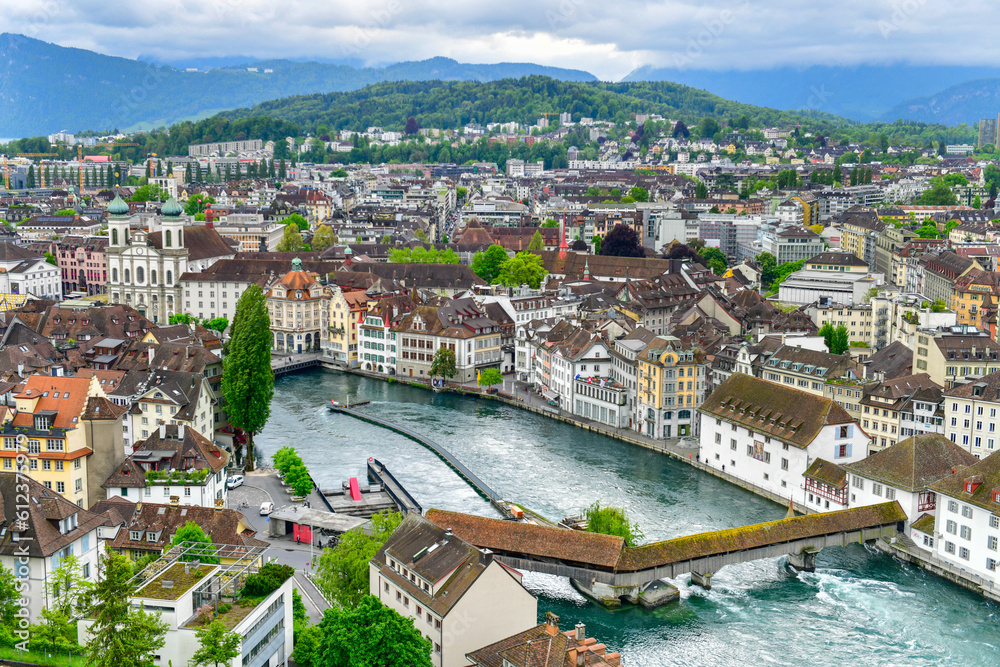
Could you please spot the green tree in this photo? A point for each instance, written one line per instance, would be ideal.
(638, 194)
(285, 458)
(486, 264)
(489, 377)
(700, 191)
(192, 532)
(939, 306)
(247, 378)
(612, 521)
(149, 192)
(716, 260)
(537, 242)
(291, 240)
(299, 480)
(323, 238)
(977, 202)
(10, 605)
(121, 635)
(197, 203)
(65, 211)
(51, 259)
(549, 223)
(524, 268)
(939, 195)
(443, 364)
(370, 635)
(461, 193)
(841, 340)
(342, 572)
(216, 645)
(928, 231)
(219, 324)
(297, 220)
(307, 645)
(182, 318)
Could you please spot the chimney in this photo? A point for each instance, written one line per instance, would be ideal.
(163, 431)
(485, 557)
(551, 623)
(175, 501)
(220, 504)
(581, 632)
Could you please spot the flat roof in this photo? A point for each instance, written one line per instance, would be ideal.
(307, 516)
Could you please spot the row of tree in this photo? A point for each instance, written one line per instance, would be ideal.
(497, 268)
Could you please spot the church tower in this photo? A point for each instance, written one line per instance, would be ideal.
(118, 227)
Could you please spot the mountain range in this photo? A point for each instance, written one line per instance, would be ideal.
(47, 88)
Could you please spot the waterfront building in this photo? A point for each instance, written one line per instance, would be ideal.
(347, 308)
(461, 326)
(173, 461)
(767, 435)
(545, 644)
(458, 596)
(884, 404)
(625, 369)
(377, 348)
(970, 414)
(966, 525)
(297, 306)
(37, 535)
(904, 473)
(672, 381)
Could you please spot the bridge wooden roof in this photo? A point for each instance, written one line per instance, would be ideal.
(571, 546)
(759, 535)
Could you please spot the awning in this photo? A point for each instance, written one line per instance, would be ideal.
(551, 395)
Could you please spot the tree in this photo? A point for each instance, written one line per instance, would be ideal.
(149, 193)
(461, 192)
(717, 260)
(192, 532)
(197, 204)
(10, 605)
(121, 635)
(247, 378)
(342, 572)
(282, 169)
(638, 194)
(939, 195)
(707, 127)
(489, 377)
(700, 191)
(524, 268)
(443, 365)
(219, 324)
(836, 338)
(537, 242)
(182, 318)
(612, 521)
(977, 202)
(51, 259)
(411, 126)
(549, 223)
(928, 231)
(216, 645)
(299, 480)
(486, 264)
(297, 220)
(939, 306)
(371, 635)
(322, 238)
(681, 130)
(622, 241)
(307, 645)
(386, 239)
(291, 240)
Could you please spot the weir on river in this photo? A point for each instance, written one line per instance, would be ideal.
(860, 605)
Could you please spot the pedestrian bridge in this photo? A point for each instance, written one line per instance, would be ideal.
(593, 558)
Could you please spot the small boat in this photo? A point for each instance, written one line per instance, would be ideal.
(335, 406)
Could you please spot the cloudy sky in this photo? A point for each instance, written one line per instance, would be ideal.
(609, 39)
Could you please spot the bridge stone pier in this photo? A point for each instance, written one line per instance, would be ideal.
(607, 570)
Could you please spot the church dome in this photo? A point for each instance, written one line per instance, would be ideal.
(171, 209)
(118, 206)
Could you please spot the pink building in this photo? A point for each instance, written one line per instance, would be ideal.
(82, 262)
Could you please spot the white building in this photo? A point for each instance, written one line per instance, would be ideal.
(38, 531)
(970, 415)
(768, 434)
(459, 597)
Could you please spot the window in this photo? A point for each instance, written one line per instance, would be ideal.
(991, 564)
(949, 547)
(963, 553)
(784, 464)
(966, 511)
(858, 482)
(995, 522)
(951, 527)
(890, 493)
(966, 532)
(61, 487)
(877, 489)
(953, 507)
(991, 543)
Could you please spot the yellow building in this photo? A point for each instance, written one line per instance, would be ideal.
(810, 208)
(347, 310)
(975, 298)
(69, 434)
(298, 308)
(671, 386)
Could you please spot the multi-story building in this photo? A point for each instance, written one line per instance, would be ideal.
(458, 597)
(975, 299)
(377, 338)
(887, 244)
(347, 309)
(650, 303)
(883, 406)
(173, 461)
(82, 263)
(162, 396)
(252, 232)
(940, 272)
(769, 434)
(792, 244)
(672, 381)
(953, 355)
(459, 325)
(145, 268)
(625, 370)
(298, 308)
(807, 370)
(970, 415)
(70, 433)
(36, 536)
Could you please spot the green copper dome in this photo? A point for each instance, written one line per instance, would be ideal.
(171, 209)
(296, 264)
(118, 207)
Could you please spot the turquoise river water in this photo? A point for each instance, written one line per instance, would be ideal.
(859, 607)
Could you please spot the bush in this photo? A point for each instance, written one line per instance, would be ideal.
(267, 580)
(225, 607)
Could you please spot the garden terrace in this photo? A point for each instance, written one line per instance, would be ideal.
(174, 581)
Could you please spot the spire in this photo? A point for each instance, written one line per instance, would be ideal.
(586, 269)
(562, 237)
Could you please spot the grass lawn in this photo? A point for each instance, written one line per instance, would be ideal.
(58, 659)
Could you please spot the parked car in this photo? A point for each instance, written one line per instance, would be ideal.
(266, 508)
(234, 481)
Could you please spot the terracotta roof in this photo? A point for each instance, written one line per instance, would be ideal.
(544, 645)
(509, 537)
(782, 412)
(65, 397)
(196, 452)
(915, 463)
(986, 388)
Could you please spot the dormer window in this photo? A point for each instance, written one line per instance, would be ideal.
(42, 422)
(135, 535)
(150, 536)
(970, 484)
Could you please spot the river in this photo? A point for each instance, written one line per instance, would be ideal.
(860, 606)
